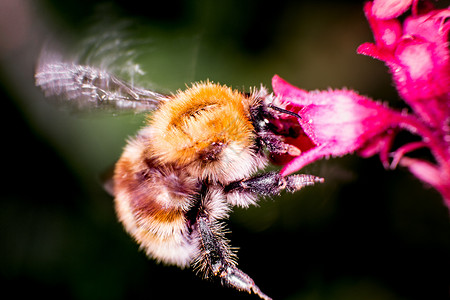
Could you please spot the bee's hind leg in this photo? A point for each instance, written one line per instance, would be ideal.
(215, 258)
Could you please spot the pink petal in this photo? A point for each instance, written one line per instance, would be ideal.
(307, 158)
(388, 9)
(385, 32)
(422, 72)
(345, 117)
(432, 26)
(337, 122)
(372, 50)
(423, 170)
(380, 144)
(288, 91)
(418, 58)
(431, 174)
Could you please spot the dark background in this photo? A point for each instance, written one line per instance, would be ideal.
(366, 233)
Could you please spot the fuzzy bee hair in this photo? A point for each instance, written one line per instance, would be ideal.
(178, 178)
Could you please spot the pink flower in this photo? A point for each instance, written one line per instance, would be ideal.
(336, 122)
(339, 122)
(417, 55)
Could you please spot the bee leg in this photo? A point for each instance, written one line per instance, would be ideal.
(276, 146)
(217, 259)
(272, 183)
(266, 132)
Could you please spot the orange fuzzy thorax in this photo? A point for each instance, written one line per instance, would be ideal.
(205, 114)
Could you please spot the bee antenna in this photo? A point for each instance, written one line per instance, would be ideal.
(284, 111)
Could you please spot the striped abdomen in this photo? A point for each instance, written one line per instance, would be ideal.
(151, 202)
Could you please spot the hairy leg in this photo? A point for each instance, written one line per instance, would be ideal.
(215, 255)
(216, 258)
(272, 183)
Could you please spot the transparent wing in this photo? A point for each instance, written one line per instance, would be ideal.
(87, 88)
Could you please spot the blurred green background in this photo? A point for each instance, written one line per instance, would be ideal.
(366, 233)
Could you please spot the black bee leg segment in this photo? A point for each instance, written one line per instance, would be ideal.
(218, 262)
(266, 135)
(276, 146)
(273, 183)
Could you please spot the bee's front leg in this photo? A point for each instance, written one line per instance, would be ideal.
(272, 183)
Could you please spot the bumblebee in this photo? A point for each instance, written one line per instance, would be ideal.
(195, 159)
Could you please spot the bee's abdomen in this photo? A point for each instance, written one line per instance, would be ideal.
(151, 202)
